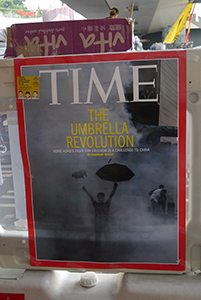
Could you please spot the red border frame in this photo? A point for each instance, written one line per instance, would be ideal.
(160, 55)
(13, 296)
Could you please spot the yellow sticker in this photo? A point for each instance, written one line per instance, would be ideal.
(28, 87)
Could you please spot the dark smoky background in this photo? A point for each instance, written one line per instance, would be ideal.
(63, 214)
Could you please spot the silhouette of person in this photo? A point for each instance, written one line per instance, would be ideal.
(162, 200)
(101, 207)
(155, 196)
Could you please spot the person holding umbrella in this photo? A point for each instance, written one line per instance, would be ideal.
(101, 207)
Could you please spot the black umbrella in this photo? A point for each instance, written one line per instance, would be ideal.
(115, 173)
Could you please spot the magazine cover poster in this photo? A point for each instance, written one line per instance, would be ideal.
(104, 160)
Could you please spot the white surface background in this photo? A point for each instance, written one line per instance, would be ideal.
(43, 4)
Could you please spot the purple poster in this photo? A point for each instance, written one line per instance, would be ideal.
(69, 37)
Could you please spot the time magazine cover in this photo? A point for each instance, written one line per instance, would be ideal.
(103, 146)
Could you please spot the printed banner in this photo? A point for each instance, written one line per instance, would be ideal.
(178, 25)
(69, 37)
(104, 160)
(26, 13)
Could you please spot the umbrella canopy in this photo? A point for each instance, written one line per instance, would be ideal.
(115, 173)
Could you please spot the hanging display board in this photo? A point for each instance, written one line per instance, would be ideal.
(103, 149)
(69, 37)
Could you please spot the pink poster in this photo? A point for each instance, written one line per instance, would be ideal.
(69, 37)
